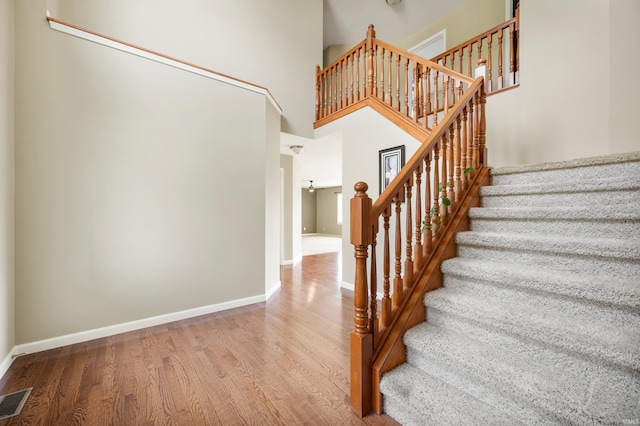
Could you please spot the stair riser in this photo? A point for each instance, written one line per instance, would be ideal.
(620, 268)
(571, 228)
(569, 174)
(593, 199)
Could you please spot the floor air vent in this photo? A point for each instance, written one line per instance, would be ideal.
(11, 404)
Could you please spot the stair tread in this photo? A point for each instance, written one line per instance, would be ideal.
(618, 183)
(603, 288)
(609, 159)
(614, 337)
(498, 374)
(613, 212)
(428, 400)
(601, 247)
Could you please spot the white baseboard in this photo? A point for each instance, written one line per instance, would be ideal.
(83, 336)
(349, 286)
(6, 362)
(293, 261)
(273, 289)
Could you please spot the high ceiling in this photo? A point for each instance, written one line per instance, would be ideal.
(346, 21)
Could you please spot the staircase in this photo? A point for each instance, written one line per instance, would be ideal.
(538, 321)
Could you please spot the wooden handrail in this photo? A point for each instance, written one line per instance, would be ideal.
(466, 64)
(106, 40)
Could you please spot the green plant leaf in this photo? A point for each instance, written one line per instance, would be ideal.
(440, 187)
(468, 170)
(446, 201)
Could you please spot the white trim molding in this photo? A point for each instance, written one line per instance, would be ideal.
(104, 40)
(273, 290)
(83, 336)
(6, 362)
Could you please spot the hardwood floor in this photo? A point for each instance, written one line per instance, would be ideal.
(284, 362)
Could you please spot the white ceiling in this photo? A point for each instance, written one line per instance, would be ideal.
(346, 23)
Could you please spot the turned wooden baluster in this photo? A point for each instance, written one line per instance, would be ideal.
(463, 152)
(357, 74)
(427, 234)
(482, 132)
(318, 85)
(361, 339)
(427, 97)
(416, 92)
(340, 70)
(489, 79)
(471, 121)
(445, 93)
(444, 213)
(469, 58)
(500, 78)
(476, 133)
(452, 166)
(408, 262)
(417, 256)
(398, 59)
(461, 57)
(398, 291)
(382, 93)
(435, 98)
(373, 304)
(480, 48)
(386, 298)
(512, 56)
(436, 191)
(389, 83)
(406, 87)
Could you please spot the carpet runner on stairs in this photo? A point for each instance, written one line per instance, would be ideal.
(538, 321)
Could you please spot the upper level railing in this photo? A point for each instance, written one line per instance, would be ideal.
(416, 89)
(501, 54)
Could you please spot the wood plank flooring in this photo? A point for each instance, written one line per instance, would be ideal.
(283, 362)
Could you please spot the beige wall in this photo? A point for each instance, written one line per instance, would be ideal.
(129, 199)
(624, 86)
(326, 211)
(7, 241)
(572, 97)
(254, 40)
(309, 203)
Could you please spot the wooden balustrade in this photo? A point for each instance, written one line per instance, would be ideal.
(499, 42)
(415, 210)
(416, 88)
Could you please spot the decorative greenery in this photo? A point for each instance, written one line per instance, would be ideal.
(444, 200)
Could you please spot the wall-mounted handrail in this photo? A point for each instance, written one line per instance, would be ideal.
(124, 46)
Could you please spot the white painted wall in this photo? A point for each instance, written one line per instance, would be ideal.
(130, 201)
(275, 43)
(7, 237)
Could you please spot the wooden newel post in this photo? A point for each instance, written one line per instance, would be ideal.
(371, 35)
(361, 339)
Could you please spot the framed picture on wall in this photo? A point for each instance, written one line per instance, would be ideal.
(391, 161)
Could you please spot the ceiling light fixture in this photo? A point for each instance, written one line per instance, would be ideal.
(297, 149)
(393, 2)
(311, 188)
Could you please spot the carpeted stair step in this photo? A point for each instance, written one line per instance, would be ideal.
(530, 389)
(413, 397)
(593, 192)
(610, 337)
(609, 291)
(601, 222)
(598, 256)
(615, 165)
